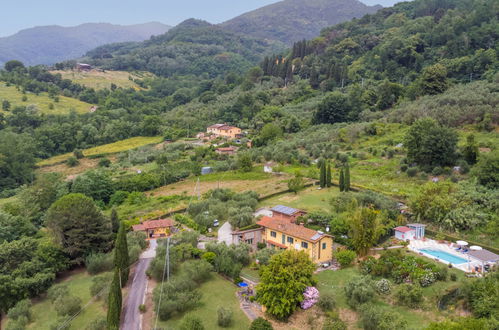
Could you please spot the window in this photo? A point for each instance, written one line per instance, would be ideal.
(290, 240)
(249, 241)
(304, 245)
(323, 246)
(273, 234)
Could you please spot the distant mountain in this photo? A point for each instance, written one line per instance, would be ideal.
(52, 44)
(293, 20)
(192, 47)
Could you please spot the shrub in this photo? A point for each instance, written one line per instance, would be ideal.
(21, 309)
(409, 295)
(311, 296)
(18, 324)
(383, 286)
(57, 291)
(97, 324)
(99, 262)
(100, 286)
(403, 167)
(453, 277)
(118, 197)
(359, 291)
(104, 162)
(67, 305)
(72, 162)
(78, 154)
(142, 308)
(224, 317)
(345, 257)
(442, 274)
(326, 302)
(437, 171)
(376, 318)
(261, 245)
(191, 323)
(333, 322)
(261, 324)
(61, 323)
(209, 256)
(412, 171)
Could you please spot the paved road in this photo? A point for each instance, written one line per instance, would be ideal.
(136, 295)
(225, 233)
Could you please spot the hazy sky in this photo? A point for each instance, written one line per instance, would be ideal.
(21, 14)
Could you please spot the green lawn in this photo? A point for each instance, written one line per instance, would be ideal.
(101, 80)
(255, 175)
(217, 292)
(111, 148)
(44, 314)
(42, 101)
(310, 199)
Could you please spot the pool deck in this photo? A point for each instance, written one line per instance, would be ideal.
(416, 245)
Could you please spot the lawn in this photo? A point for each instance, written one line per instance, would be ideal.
(217, 292)
(110, 148)
(42, 101)
(44, 314)
(310, 199)
(103, 79)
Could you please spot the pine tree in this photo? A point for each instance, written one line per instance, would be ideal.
(115, 221)
(347, 178)
(114, 303)
(328, 176)
(342, 180)
(121, 257)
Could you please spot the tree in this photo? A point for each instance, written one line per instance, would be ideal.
(470, 150)
(245, 162)
(261, 324)
(269, 133)
(346, 182)
(115, 221)
(283, 282)
(13, 228)
(329, 183)
(95, 184)
(373, 317)
(359, 290)
(322, 175)
(335, 108)
(5, 105)
(296, 184)
(225, 317)
(17, 159)
(114, 303)
(430, 144)
(78, 226)
(434, 80)
(13, 65)
(365, 229)
(342, 180)
(487, 170)
(345, 257)
(191, 323)
(121, 257)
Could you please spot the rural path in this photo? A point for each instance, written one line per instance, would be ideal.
(225, 233)
(132, 318)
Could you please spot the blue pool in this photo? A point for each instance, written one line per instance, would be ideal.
(442, 255)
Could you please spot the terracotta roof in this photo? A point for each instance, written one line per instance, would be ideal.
(403, 229)
(152, 224)
(277, 244)
(227, 149)
(291, 229)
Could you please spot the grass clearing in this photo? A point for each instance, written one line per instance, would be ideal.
(41, 101)
(217, 292)
(103, 79)
(310, 199)
(106, 149)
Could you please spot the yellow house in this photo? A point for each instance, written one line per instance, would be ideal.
(156, 228)
(282, 234)
(227, 131)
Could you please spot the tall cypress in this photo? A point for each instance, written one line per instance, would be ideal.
(347, 178)
(121, 257)
(322, 179)
(342, 180)
(114, 303)
(328, 176)
(115, 221)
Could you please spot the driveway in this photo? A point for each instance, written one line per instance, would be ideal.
(136, 296)
(225, 233)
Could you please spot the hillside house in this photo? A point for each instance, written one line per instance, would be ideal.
(156, 228)
(250, 236)
(83, 67)
(226, 151)
(282, 234)
(224, 130)
(286, 213)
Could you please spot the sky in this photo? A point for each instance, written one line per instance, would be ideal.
(21, 14)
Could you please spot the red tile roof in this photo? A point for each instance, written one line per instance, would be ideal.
(291, 229)
(403, 229)
(153, 224)
(277, 244)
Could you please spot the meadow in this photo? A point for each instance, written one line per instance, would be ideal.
(104, 79)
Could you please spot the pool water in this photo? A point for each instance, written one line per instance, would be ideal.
(442, 255)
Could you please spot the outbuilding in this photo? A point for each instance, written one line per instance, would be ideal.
(404, 233)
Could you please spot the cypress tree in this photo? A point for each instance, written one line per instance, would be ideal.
(115, 221)
(322, 179)
(114, 303)
(121, 257)
(347, 178)
(342, 180)
(328, 176)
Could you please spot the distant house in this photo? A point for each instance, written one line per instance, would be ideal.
(206, 170)
(286, 213)
(268, 167)
(156, 228)
(224, 130)
(83, 67)
(282, 234)
(226, 151)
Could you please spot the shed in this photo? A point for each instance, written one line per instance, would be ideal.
(404, 233)
(206, 170)
(419, 228)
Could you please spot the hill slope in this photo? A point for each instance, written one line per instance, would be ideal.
(293, 20)
(51, 44)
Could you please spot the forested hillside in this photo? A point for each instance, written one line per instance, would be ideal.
(293, 20)
(52, 44)
(192, 47)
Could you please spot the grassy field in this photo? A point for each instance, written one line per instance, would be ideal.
(310, 199)
(110, 148)
(42, 101)
(217, 292)
(44, 314)
(101, 80)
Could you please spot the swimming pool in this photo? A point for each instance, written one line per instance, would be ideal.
(445, 256)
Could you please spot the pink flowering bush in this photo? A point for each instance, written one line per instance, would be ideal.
(311, 297)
